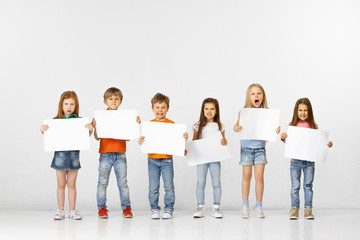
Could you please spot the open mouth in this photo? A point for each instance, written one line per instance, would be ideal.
(257, 101)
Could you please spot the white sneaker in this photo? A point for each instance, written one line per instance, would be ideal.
(167, 214)
(216, 212)
(155, 214)
(59, 215)
(74, 214)
(259, 212)
(199, 212)
(245, 212)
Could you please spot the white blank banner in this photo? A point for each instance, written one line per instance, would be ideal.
(163, 138)
(66, 134)
(117, 124)
(206, 150)
(259, 124)
(306, 144)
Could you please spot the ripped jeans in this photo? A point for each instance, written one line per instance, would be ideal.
(295, 173)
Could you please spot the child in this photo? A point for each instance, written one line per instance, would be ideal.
(161, 164)
(302, 117)
(66, 163)
(208, 125)
(112, 154)
(253, 153)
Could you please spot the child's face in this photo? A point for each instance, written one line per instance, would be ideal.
(256, 97)
(113, 102)
(69, 106)
(303, 112)
(160, 110)
(209, 111)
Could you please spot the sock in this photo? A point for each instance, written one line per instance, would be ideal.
(258, 204)
(245, 202)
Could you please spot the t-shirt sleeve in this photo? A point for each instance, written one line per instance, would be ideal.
(196, 126)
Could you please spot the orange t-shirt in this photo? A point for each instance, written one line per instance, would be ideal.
(156, 155)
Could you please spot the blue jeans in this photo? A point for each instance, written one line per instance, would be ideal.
(295, 172)
(107, 161)
(202, 170)
(156, 168)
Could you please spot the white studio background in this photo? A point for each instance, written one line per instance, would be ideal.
(188, 50)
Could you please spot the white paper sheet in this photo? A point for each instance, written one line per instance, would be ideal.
(259, 124)
(117, 124)
(206, 150)
(66, 134)
(306, 144)
(163, 138)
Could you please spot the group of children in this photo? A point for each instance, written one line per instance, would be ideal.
(112, 154)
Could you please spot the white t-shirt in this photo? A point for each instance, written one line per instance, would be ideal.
(209, 129)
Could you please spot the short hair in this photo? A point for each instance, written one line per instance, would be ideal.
(160, 98)
(113, 91)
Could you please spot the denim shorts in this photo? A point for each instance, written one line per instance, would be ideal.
(66, 160)
(252, 156)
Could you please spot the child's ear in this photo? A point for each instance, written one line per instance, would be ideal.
(105, 101)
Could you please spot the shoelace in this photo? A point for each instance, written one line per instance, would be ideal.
(293, 211)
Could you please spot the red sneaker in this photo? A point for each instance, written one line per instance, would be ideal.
(127, 212)
(103, 212)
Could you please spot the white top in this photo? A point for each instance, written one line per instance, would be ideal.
(209, 129)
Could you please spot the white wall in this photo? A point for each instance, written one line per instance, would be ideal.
(188, 50)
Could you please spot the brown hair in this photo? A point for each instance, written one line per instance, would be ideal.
(160, 98)
(310, 119)
(67, 95)
(113, 91)
(203, 120)
(248, 103)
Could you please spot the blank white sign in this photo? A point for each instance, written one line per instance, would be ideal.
(306, 144)
(206, 150)
(66, 134)
(163, 138)
(117, 124)
(259, 124)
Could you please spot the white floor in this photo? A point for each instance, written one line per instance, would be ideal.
(328, 224)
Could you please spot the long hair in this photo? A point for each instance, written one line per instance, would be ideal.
(248, 103)
(203, 119)
(310, 118)
(67, 95)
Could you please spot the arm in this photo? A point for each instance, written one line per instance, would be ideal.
(44, 128)
(94, 126)
(223, 140)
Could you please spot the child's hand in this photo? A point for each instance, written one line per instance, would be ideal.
(283, 136)
(44, 128)
(330, 144)
(141, 140)
(93, 123)
(138, 119)
(237, 128)
(90, 127)
(278, 130)
(185, 135)
(223, 141)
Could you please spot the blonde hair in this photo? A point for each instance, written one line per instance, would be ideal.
(67, 95)
(160, 98)
(113, 91)
(248, 103)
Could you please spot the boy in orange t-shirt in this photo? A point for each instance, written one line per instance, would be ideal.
(161, 164)
(112, 154)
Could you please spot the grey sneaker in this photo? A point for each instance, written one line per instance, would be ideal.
(199, 212)
(308, 213)
(59, 215)
(293, 213)
(216, 212)
(259, 212)
(74, 214)
(245, 212)
(155, 214)
(167, 214)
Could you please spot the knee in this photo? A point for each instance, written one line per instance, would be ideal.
(153, 190)
(201, 184)
(308, 186)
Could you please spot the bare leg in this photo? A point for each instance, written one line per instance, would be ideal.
(71, 184)
(259, 181)
(61, 183)
(246, 178)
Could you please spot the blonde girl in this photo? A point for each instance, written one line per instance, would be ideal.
(253, 154)
(302, 117)
(66, 163)
(209, 124)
